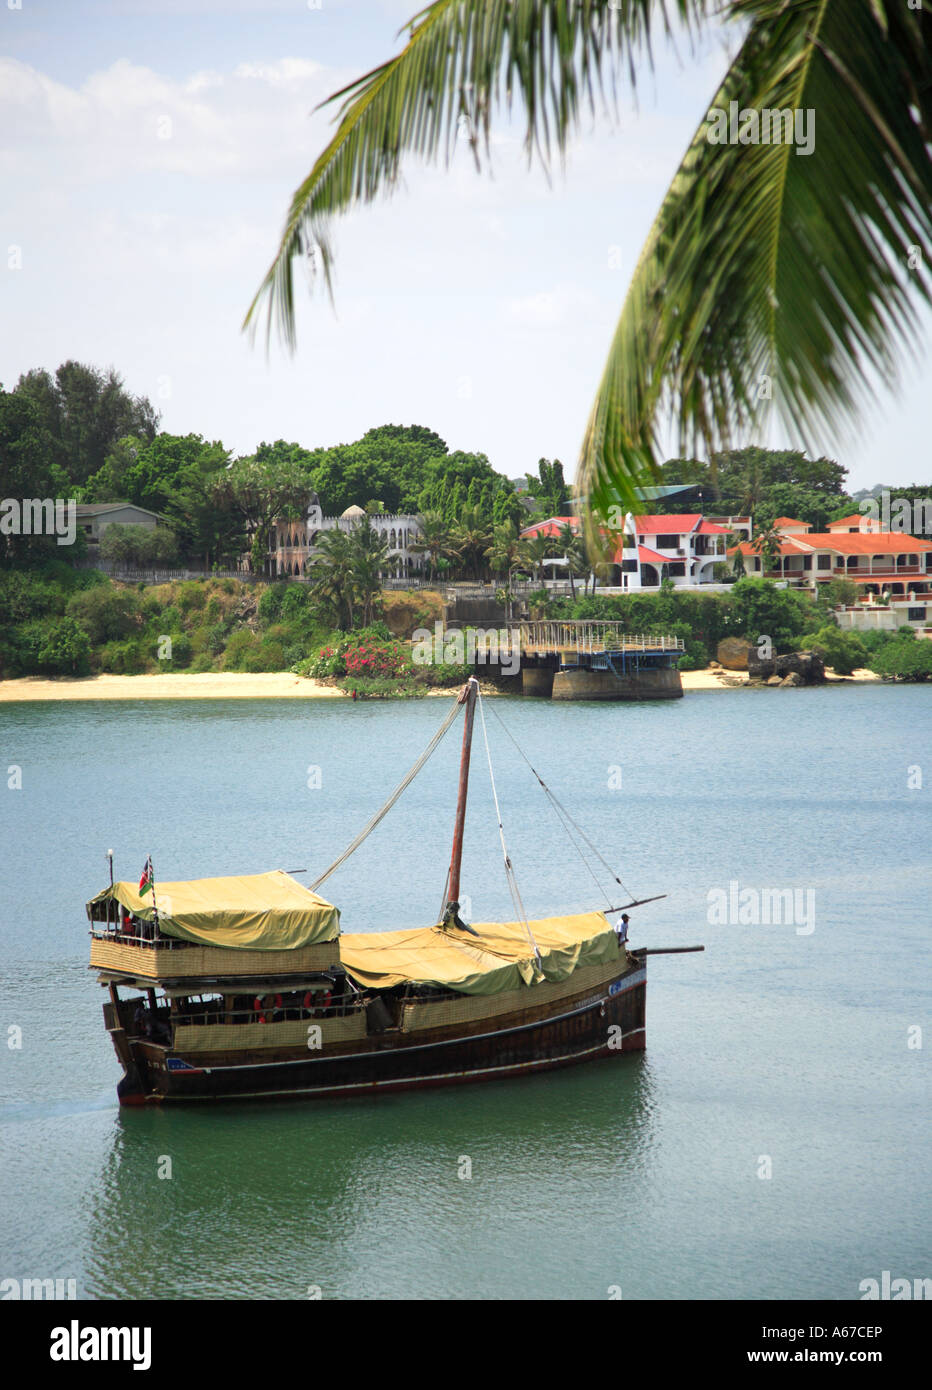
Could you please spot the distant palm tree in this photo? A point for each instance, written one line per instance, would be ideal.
(469, 540)
(505, 551)
(368, 559)
(332, 568)
(733, 541)
(537, 549)
(571, 543)
(784, 270)
(432, 539)
(768, 542)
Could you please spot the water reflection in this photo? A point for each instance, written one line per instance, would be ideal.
(366, 1198)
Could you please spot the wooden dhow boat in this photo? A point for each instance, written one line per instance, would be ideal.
(244, 988)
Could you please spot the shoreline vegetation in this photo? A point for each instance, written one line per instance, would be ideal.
(224, 685)
(67, 634)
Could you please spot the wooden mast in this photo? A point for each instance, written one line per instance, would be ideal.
(468, 698)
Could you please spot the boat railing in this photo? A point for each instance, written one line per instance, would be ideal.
(101, 932)
(287, 1013)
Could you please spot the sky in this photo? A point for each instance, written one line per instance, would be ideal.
(148, 153)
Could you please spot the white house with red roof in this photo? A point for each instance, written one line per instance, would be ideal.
(684, 549)
(892, 571)
(857, 523)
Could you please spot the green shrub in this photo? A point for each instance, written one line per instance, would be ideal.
(380, 688)
(128, 658)
(844, 652)
(241, 644)
(181, 651)
(170, 619)
(106, 613)
(65, 648)
(904, 659)
(192, 595)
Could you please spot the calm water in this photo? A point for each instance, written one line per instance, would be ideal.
(643, 1172)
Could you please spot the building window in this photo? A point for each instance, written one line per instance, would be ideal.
(915, 615)
(678, 567)
(824, 562)
(668, 542)
(629, 566)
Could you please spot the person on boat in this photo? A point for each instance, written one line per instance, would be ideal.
(622, 929)
(127, 923)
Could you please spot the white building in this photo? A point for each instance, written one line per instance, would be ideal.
(684, 549)
(292, 543)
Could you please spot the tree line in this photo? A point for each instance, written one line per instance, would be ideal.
(79, 433)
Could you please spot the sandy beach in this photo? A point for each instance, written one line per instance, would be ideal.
(235, 685)
(213, 685)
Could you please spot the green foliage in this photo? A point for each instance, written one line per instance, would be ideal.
(84, 412)
(844, 652)
(64, 648)
(903, 658)
(761, 609)
(106, 613)
(26, 471)
(181, 650)
(139, 545)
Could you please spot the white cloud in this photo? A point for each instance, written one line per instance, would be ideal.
(554, 308)
(127, 117)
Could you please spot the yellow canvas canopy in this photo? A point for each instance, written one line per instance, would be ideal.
(261, 912)
(500, 957)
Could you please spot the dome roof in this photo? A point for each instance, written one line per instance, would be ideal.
(352, 512)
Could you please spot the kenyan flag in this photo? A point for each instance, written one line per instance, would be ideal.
(145, 883)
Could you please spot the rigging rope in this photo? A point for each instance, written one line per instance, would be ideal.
(379, 815)
(509, 868)
(562, 813)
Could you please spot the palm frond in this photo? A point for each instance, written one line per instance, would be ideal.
(463, 60)
(772, 274)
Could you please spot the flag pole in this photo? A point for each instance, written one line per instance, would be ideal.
(155, 909)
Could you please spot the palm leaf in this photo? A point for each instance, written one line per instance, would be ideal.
(463, 59)
(765, 263)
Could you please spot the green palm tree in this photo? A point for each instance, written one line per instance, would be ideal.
(767, 542)
(573, 547)
(334, 582)
(433, 539)
(769, 276)
(469, 541)
(537, 549)
(368, 552)
(505, 551)
(733, 541)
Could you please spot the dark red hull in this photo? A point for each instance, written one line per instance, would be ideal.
(607, 1022)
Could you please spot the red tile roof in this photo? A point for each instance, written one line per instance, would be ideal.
(859, 543)
(847, 520)
(667, 525)
(650, 557)
(550, 527)
(790, 521)
(845, 543)
(708, 528)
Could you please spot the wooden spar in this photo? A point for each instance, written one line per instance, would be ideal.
(468, 698)
(639, 902)
(666, 950)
